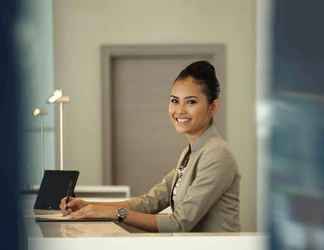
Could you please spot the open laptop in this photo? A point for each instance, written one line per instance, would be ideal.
(55, 185)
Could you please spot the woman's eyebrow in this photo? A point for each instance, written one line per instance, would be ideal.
(187, 97)
(192, 96)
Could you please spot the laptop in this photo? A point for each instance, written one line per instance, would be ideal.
(55, 185)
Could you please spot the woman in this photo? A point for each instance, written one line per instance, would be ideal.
(203, 190)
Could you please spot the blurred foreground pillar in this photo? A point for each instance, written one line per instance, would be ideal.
(296, 146)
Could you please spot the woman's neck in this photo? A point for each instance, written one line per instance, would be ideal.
(193, 138)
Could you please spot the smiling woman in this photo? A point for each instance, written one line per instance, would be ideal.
(194, 99)
(203, 190)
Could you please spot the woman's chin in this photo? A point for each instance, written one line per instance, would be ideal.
(181, 130)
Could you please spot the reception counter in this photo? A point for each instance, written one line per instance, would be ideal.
(110, 235)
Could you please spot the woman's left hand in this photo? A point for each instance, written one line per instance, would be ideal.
(93, 211)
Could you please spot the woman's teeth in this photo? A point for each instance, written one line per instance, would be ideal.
(182, 120)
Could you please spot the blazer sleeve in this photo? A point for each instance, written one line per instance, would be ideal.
(156, 199)
(216, 171)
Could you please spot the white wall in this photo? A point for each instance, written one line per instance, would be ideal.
(82, 26)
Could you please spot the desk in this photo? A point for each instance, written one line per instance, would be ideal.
(109, 235)
(72, 229)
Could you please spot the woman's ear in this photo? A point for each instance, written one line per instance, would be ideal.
(214, 106)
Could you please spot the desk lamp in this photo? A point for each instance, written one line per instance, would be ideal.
(40, 113)
(59, 98)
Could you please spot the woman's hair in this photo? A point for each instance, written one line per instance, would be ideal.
(204, 74)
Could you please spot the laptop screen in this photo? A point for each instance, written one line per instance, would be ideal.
(56, 184)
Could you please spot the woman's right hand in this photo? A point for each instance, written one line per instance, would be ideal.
(70, 205)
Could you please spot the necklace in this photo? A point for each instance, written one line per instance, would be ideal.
(180, 171)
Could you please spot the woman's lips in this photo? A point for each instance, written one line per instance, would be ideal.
(182, 120)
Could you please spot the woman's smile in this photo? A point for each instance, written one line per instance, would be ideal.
(183, 120)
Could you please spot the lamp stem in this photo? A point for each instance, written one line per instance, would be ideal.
(43, 146)
(61, 136)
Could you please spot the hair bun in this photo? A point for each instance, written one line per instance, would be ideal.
(203, 67)
(208, 66)
(205, 74)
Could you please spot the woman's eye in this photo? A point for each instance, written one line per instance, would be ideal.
(173, 100)
(191, 102)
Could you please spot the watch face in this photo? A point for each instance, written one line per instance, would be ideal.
(122, 213)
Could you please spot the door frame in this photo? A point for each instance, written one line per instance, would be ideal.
(109, 52)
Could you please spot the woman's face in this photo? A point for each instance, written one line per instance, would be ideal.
(189, 109)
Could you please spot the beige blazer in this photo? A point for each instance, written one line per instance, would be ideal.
(207, 199)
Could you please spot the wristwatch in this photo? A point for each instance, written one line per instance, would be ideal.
(122, 214)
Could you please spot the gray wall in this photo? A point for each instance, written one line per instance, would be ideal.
(82, 26)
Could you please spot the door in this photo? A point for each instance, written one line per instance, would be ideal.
(145, 146)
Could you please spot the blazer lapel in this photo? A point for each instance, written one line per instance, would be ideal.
(175, 177)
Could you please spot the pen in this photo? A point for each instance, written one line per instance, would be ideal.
(68, 193)
(67, 199)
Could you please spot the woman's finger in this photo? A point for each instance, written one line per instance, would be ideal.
(63, 203)
(73, 203)
(67, 211)
(79, 214)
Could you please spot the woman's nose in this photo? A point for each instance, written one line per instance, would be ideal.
(181, 109)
